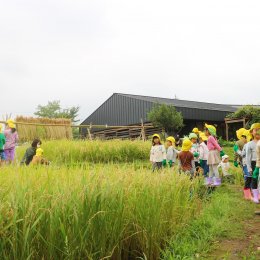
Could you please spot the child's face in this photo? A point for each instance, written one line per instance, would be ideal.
(194, 140)
(156, 140)
(38, 145)
(226, 160)
(207, 132)
(169, 143)
(256, 133)
(244, 139)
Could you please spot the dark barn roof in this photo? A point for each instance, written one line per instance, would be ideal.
(125, 109)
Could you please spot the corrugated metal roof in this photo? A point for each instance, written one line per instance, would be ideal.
(182, 103)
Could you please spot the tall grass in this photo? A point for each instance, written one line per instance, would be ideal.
(75, 152)
(95, 213)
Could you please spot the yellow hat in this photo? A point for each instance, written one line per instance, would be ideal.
(212, 129)
(195, 130)
(240, 132)
(171, 139)
(203, 137)
(186, 145)
(255, 126)
(39, 152)
(10, 123)
(156, 135)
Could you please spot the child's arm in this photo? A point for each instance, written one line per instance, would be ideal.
(215, 144)
(249, 158)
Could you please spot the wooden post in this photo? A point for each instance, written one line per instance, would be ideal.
(89, 132)
(143, 130)
(227, 130)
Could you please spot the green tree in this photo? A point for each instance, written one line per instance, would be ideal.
(53, 110)
(166, 117)
(250, 112)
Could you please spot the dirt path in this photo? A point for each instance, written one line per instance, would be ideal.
(247, 247)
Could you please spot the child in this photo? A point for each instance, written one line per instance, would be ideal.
(2, 143)
(239, 145)
(30, 152)
(172, 153)
(196, 131)
(11, 137)
(195, 148)
(214, 158)
(225, 166)
(158, 153)
(38, 158)
(255, 177)
(186, 158)
(204, 154)
(251, 160)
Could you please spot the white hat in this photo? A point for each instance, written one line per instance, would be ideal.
(224, 157)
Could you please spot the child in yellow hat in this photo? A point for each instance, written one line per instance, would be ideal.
(186, 158)
(157, 153)
(242, 134)
(171, 152)
(11, 137)
(203, 154)
(251, 157)
(38, 157)
(214, 155)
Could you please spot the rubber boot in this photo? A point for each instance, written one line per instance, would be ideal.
(247, 194)
(216, 181)
(208, 181)
(255, 198)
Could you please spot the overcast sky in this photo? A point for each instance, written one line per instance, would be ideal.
(80, 52)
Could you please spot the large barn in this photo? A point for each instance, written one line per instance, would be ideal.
(130, 110)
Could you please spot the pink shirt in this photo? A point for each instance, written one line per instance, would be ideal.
(11, 139)
(213, 144)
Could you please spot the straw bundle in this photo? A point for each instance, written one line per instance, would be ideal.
(54, 128)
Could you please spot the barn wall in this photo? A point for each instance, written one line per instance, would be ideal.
(120, 110)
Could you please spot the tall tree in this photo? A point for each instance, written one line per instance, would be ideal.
(166, 117)
(53, 110)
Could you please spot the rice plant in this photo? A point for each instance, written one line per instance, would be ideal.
(94, 212)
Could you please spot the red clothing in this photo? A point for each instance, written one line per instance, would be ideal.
(186, 159)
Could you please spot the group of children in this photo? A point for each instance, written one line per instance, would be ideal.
(247, 156)
(201, 150)
(8, 141)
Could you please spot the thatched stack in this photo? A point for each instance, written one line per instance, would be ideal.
(44, 128)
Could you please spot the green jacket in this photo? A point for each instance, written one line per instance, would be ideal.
(28, 156)
(2, 141)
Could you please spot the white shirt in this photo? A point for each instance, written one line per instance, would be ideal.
(171, 154)
(158, 153)
(225, 168)
(204, 152)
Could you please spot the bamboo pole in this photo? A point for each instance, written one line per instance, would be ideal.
(79, 126)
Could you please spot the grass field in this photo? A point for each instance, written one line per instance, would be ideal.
(100, 200)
